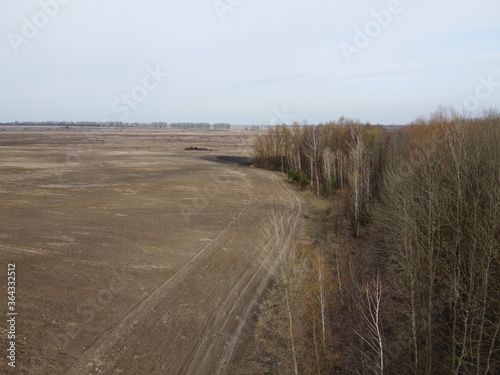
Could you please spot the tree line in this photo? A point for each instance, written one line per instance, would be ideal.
(338, 156)
(425, 198)
(176, 125)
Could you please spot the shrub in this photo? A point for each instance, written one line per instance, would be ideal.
(294, 175)
(304, 181)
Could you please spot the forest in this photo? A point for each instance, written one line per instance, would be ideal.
(408, 280)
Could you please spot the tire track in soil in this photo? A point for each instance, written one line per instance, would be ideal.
(258, 280)
(192, 323)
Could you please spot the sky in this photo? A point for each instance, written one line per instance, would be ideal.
(246, 61)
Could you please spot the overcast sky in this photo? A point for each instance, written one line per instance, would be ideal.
(246, 61)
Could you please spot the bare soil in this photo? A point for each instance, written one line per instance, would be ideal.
(134, 255)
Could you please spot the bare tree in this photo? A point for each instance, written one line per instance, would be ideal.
(328, 168)
(313, 151)
(356, 176)
(372, 335)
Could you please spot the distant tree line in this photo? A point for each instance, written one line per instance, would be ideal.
(221, 126)
(429, 194)
(190, 125)
(63, 123)
(178, 125)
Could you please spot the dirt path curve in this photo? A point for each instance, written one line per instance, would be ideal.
(192, 323)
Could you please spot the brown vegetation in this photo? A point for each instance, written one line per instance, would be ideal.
(416, 288)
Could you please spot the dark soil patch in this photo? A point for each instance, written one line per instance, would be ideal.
(241, 161)
(197, 149)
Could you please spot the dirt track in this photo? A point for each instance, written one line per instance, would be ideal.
(188, 263)
(190, 324)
